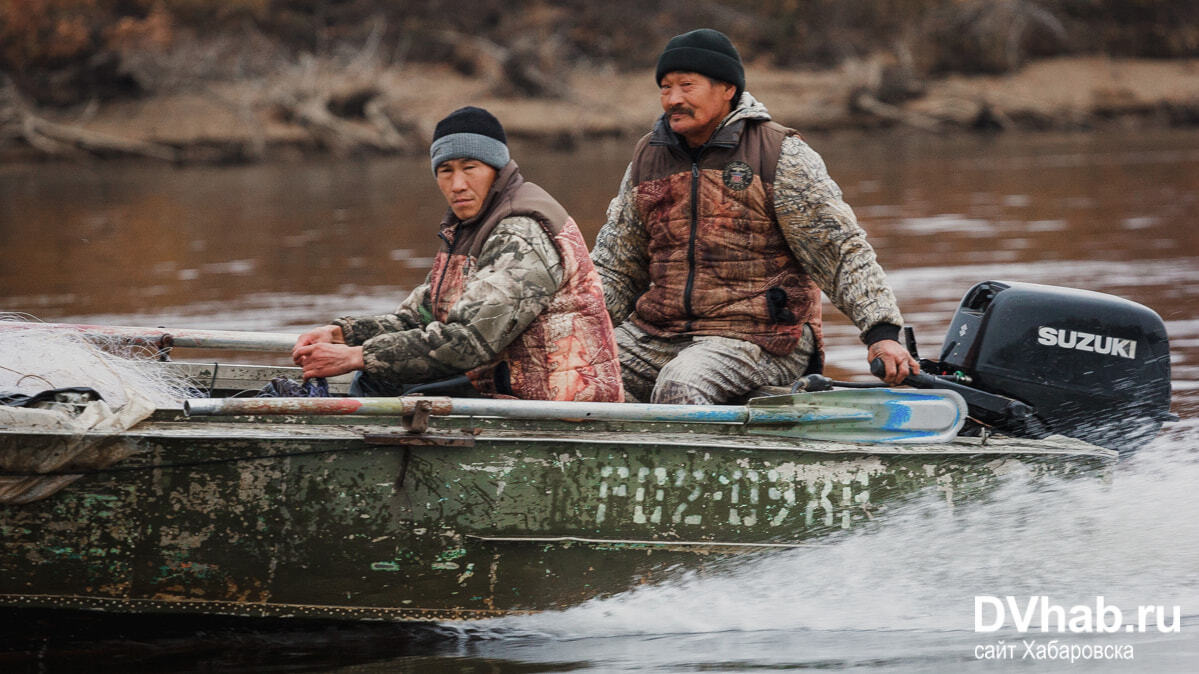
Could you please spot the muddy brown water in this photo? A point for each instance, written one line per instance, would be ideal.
(287, 246)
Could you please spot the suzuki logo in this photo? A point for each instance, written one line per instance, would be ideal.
(1085, 341)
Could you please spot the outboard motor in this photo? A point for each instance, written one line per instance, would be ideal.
(1034, 360)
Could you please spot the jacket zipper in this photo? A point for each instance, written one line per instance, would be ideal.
(691, 242)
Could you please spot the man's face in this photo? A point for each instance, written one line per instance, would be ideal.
(465, 183)
(694, 104)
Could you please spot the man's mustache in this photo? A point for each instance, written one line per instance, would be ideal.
(680, 109)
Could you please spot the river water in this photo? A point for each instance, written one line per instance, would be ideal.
(283, 247)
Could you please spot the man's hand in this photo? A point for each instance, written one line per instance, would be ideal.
(896, 359)
(326, 334)
(327, 360)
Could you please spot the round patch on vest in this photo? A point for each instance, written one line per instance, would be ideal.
(738, 175)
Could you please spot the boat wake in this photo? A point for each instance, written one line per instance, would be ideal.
(1131, 538)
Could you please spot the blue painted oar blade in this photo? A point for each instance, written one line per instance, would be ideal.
(804, 413)
(861, 415)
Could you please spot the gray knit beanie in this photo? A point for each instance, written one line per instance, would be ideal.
(473, 133)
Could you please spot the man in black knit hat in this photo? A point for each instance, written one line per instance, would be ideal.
(725, 230)
(512, 306)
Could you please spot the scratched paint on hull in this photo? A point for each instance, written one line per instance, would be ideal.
(526, 517)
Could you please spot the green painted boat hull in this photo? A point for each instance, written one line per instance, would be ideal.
(356, 518)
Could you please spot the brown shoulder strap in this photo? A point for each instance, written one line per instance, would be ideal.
(532, 201)
(525, 199)
(639, 158)
(771, 146)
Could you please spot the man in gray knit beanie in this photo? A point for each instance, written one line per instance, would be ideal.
(469, 149)
(512, 306)
(470, 132)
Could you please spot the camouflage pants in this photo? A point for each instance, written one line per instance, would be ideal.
(702, 370)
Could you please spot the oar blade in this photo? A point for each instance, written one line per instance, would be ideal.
(862, 415)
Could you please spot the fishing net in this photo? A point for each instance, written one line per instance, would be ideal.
(56, 435)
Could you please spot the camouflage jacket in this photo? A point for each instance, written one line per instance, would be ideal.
(512, 300)
(819, 230)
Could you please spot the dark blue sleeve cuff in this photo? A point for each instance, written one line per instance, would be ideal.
(880, 332)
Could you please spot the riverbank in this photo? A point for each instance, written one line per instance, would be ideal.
(315, 109)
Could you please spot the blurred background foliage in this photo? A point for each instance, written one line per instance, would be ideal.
(63, 52)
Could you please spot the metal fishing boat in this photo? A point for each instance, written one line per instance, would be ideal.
(430, 508)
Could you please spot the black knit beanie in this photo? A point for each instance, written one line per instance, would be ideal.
(707, 52)
(470, 132)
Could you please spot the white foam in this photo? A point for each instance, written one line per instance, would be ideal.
(1133, 539)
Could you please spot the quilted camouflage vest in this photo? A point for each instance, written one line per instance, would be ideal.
(569, 351)
(719, 264)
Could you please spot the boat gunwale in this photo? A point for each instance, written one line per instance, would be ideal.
(354, 438)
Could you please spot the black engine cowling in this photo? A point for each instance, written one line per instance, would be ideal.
(1091, 366)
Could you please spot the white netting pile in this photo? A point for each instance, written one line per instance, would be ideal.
(41, 446)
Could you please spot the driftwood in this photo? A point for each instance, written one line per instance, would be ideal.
(960, 113)
(49, 135)
(348, 119)
(889, 95)
(343, 108)
(372, 131)
(18, 121)
(508, 71)
(864, 101)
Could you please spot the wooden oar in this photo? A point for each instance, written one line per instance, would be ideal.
(879, 415)
(278, 342)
